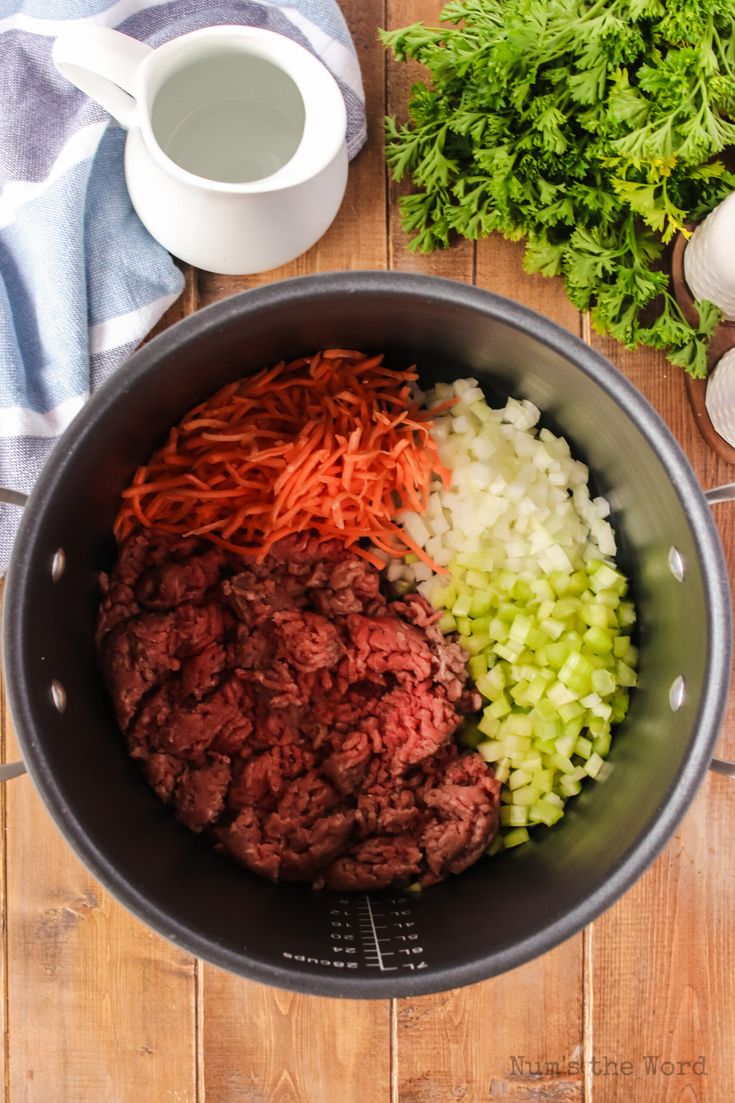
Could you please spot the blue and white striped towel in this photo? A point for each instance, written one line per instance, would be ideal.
(81, 280)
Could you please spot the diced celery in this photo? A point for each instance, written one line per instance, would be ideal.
(562, 763)
(473, 645)
(603, 711)
(481, 625)
(519, 693)
(492, 683)
(501, 706)
(509, 650)
(620, 703)
(447, 623)
(567, 607)
(625, 674)
(491, 750)
(578, 582)
(543, 780)
(477, 666)
(514, 815)
(573, 726)
(474, 560)
(559, 582)
(594, 765)
(481, 604)
(519, 629)
(598, 640)
(597, 616)
(517, 779)
(498, 630)
(518, 724)
(527, 794)
(444, 597)
(546, 710)
(560, 694)
(583, 747)
(537, 687)
(543, 590)
(603, 577)
(488, 725)
(626, 614)
(610, 598)
(478, 580)
(603, 682)
(532, 764)
(502, 771)
(464, 626)
(518, 745)
(462, 605)
(601, 743)
(546, 733)
(568, 786)
(543, 812)
(505, 580)
(515, 837)
(507, 611)
(522, 591)
(565, 745)
(570, 711)
(534, 640)
(552, 626)
(557, 654)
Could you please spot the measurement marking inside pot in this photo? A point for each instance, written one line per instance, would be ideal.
(378, 954)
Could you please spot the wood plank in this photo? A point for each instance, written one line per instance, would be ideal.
(3, 887)
(664, 956)
(272, 1046)
(100, 1009)
(458, 261)
(259, 1043)
(484, 1041)
(500, 269)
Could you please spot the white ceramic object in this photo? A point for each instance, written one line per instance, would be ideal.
(235, 158)
(720, 396)
(709, 258)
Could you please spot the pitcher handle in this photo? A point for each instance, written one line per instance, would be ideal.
(103, 63)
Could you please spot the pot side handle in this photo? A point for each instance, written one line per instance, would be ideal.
(724, 493)
(9, 770)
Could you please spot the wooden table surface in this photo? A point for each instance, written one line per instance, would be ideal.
(639, 1008)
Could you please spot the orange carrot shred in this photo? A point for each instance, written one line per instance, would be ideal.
(332, 443)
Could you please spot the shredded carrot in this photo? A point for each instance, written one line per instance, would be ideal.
(332, 444)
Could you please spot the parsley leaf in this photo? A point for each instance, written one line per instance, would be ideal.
(590, 129)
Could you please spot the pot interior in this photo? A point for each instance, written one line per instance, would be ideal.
(504, 910)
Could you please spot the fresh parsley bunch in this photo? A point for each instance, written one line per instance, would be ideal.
(589, 129)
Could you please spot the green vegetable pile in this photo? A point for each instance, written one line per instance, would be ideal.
(591, 130)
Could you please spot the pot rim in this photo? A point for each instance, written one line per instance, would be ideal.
(633, 405)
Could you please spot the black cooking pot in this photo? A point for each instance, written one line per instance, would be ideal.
(506, 909)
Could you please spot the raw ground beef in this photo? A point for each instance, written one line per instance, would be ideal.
(295, 712)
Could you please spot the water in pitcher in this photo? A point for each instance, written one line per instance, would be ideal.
(229, 117)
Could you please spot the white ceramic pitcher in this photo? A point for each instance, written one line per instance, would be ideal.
(235, 158)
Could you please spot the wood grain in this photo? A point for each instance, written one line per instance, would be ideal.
(96, 1009)
(664, 957)
(260, 1045)
(99, 1008)
(485, 1042)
